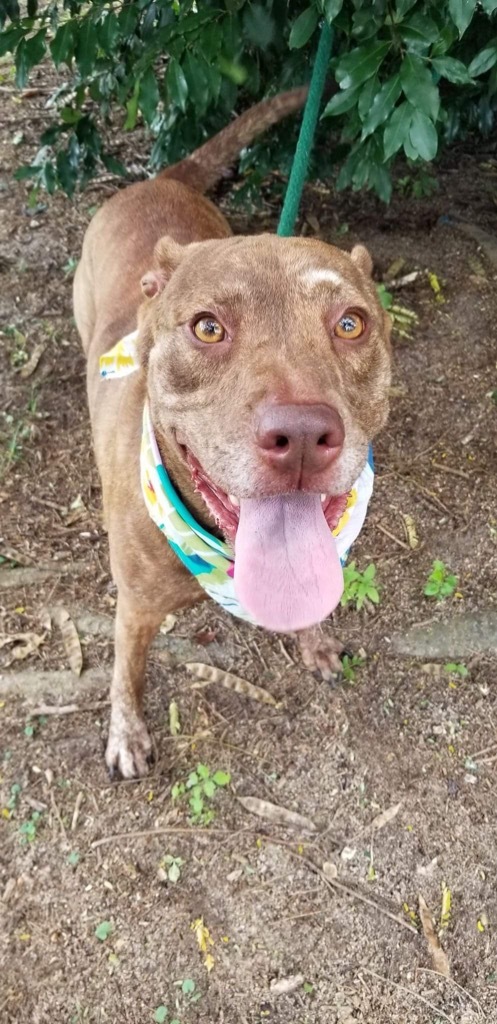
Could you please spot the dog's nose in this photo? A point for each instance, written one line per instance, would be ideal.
(308, 437)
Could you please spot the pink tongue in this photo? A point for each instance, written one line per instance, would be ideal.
(287, 570)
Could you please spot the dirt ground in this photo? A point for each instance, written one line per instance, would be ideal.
(91, 928)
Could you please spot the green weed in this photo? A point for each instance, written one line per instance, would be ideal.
(200, 788)
(350, 664)
(29, 829)
(441, 583)
(359, 586)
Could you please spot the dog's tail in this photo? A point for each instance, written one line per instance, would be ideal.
(207, 164)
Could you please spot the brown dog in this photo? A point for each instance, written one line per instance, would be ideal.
(265, 366)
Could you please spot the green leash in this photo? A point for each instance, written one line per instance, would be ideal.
(300, 164)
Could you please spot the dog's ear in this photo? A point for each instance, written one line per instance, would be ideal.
(167, 256)
(360, 256)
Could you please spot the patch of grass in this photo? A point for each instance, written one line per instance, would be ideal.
(441, 583)
(359, 586)
(200, 788)
(28, 831)
(350, 664)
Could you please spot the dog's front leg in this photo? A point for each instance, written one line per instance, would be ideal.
(321, 652)
(129, 746)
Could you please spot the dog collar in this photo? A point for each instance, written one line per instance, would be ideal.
(210, 560)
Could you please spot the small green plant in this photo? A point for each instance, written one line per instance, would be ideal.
(103, 930)
(359, 586)
(350, 664)
(189, 990)
(201, 787)
(456, 668)
(28, 830)
(161, 1016)
(15, 792)
(70, 267)
(31, 728)
(441, 583)
(73, 859)
(172, 865)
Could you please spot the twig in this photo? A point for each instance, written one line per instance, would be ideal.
(285, 653)
(486, 750)
(57, 813)
(401, 543)
(67, 709)
(144, 833)
(335, 884)
(77, 808)
(453, 472)
(428, 970)
(409, 992)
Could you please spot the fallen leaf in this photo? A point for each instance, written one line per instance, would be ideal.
(77, 511)
(70, 639)
(385, 817)
(168, 624)
(25, 644)
(446, 906)
(283, 986)
(330, 870)
(275, 813)
(204, 941)
(45, 619)
(438, 955)
(410, 529)
(210, 674)
(29, 368)
(174, 722)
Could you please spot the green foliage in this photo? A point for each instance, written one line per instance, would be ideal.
(441, 583)
(456, 668)
(172, 866)
(350, 664)
(359, 586)
(104, 930)
(407, 77)
(201, 787)
(29, 829)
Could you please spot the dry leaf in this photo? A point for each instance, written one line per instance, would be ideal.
(410, 530)
(385, 817)
(330, 870)
(438, 955)
(275, 813)
(204, 940)
(45, 619)
(25, 644)
(70, 639)
(30, 367)
(210, 674)
(283, 986)
(168, 624)
(446, 906)
(77, 510)
(174, 722)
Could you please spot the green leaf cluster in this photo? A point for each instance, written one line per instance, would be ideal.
(407, 77)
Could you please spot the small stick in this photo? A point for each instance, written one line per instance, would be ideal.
(67, 709)
(142, 834)
(401, 543)
(333, 883)
(409, 992)
(57, 813)
(285, 653)
(77, 808)
(453, 472)
(486, 750)
(428, 970)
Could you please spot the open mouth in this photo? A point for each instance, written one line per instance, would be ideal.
(287, 571)
(225, 508)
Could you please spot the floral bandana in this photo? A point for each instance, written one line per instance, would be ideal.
(210, 560)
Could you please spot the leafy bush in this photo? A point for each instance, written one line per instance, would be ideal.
(407, 77)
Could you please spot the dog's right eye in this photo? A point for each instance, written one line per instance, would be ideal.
(208, 330)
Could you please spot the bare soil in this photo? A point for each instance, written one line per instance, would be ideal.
(400, 732)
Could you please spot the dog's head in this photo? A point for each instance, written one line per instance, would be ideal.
(268, 370)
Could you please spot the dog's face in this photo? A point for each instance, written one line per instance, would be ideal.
(268, 368)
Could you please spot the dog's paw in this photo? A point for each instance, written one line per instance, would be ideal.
(129, 747)
(321, 653)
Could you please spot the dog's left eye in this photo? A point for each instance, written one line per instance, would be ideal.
(350, 326)
(208, 330)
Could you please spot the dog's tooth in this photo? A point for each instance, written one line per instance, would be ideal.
(323, 497)
(234, 501)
